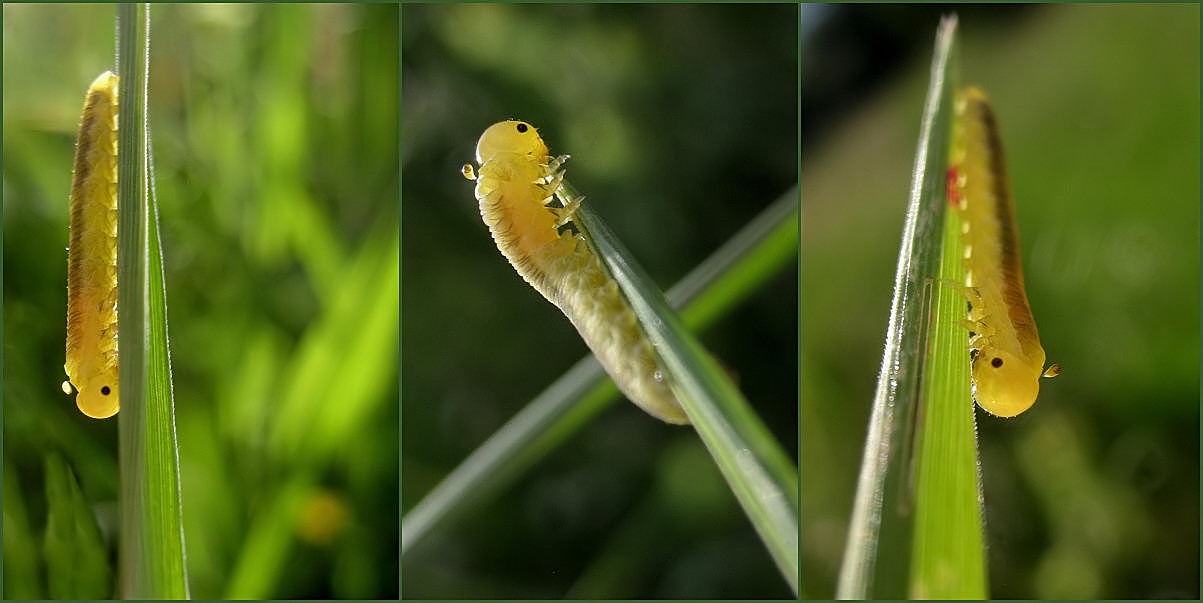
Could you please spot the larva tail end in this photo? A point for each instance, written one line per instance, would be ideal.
(674, 419)
(656, 398)
(673, 415)
(974, 93)
(105, 81)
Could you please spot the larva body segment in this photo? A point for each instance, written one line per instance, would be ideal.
(1009, 360)
(91, 362)
(515, 184)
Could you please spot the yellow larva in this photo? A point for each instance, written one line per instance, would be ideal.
(1008, 360)
(515, 184)
(92, 256)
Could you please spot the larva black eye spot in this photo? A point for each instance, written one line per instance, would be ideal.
(522, 128)
(996, 362)
(104, 391)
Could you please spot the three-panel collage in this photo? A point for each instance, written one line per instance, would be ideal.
(524, 301)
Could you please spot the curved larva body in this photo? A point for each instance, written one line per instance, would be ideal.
(514, 184)
(91, 364)
(1009, 361)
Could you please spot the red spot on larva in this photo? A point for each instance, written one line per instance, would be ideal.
(950, 187)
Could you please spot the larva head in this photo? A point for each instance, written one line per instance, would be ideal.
(510, 137)
(1003, 384)
(97, 394)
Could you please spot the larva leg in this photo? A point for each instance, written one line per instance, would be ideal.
(979, 326)
(555, 163)
(564, 214)
(971, 294)
(977, 341)
(552, 181)
(974, 323)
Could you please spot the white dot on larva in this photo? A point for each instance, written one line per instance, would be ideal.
(658, 376)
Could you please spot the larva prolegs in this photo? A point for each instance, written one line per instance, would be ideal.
(91, 358)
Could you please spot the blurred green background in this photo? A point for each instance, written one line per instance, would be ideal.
(274, 130)
(682, 124)
(1094, 492)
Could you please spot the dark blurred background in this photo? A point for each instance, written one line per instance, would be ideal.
(1094, 492)
(682, 124)
(275, 136)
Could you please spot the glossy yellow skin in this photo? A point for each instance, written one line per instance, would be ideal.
(515, 183)
(1008, 360)
(91, 363)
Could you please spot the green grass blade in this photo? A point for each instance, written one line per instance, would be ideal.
(152, 542)
(265, 551)
(749, 258)
(541, 426)
(947, 552)
(758, 471)
(720, 282)
(77, 565)
(877, 557)
(337, 360)
(21, 569)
